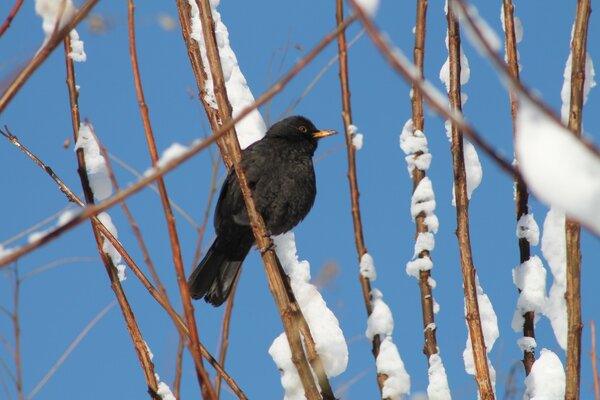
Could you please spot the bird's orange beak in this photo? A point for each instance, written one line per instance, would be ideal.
(322, 134)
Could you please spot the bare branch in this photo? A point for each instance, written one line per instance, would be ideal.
(11, 16)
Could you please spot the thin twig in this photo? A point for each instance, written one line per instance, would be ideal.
(359, 241)
(11, 16)
(427, 302)
(55, 264)
(70, 349)
(594, 356)
(482, 374)
(188, 309)
(178, 368)
(225, 325)
(34, 227)
(22, 76)
(163, 302)
(521, 192)
(17, 333)
(92, 210)
(573, 229)
(129, 317)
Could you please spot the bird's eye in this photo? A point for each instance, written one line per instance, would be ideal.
(303, 129)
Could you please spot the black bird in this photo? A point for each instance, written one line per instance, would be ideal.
(280, 173)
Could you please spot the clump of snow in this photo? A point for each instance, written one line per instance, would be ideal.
(367, 267)
(472, 167)
(380, 322)
(357, 141)
(558, 168)
(425, 241)
(423, 201)
(4, 251)
(417, 265)
(528, 229)
(324, 326)
(588, 84)
(489, 325)
(465, 70)
(530, 278)
(108, 248)
(252, 127)
(77, 52)
(554, 250)
(62, 219)
(95, 164)
(51, 11)
(163, 389)
(414, 144)
(389, 363)
(368, 6)
(438, 381)
(527, 343)
(547, 378)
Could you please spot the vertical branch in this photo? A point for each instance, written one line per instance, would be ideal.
(178, 367)
(132, 327)
(430, 345)
(225, 332)
(573, 229)
(521, 192)
(202, 375)
(462, 215)
(286, 308)
(17, 332)
(594, 356)
(359, 241)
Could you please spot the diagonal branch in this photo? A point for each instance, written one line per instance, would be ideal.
(203, 379)
(11, 16)
(482, 375)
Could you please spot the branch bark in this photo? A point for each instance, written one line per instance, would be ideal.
(573, 229)
(482, 374)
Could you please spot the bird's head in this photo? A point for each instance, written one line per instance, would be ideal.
(298, 129)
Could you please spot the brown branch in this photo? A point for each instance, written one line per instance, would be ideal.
(286, 308)
(521, 192)
(17, 333)
(203, 378)
(69, 350)
(11, 16)
(225, 331)
(594, 356)
(359, 241)
(22, 76)
(573, 229)
(132, 327)
(36, 226)
(482, 375)
(163, 302)
(92, 210)
(427, 302)
(178, 368)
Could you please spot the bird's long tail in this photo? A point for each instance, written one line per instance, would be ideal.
(213, 278)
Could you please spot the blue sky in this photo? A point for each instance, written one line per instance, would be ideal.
(56, 305)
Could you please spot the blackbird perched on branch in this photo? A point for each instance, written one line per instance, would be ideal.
(280, 173)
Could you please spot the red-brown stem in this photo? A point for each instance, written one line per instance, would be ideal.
(594, 356)
(178, 368)
(430, 344)
(359, 241)
(92, 210)
(521, 193)
(162, 301)
(188, 309)
(22, 76)
(276, 281)
(482, 374)
(573, 229)
(14, 316)
(225, 332)
(11, 16)
(132, 327)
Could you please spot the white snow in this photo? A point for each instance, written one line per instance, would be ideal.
(389, 363)
(588, 84)
(438, 381)
(465, 70)
(489, 325)
(517, 24)
(62, 219)
(413, 267)
(425, 241)
(357, 141)
(528, 229)
(367, 267)
(473, 168)
(380, 322)
(95, 164)
(423, 200)
(414, 144)
(547, 378)
(163, 389)
(77, 52)
(527, 343)
(108, 248)
(530, 278)
(324, 326)
(252, 127)
(488, 34)
(554, 251)
(368, 6)
(558, 168)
